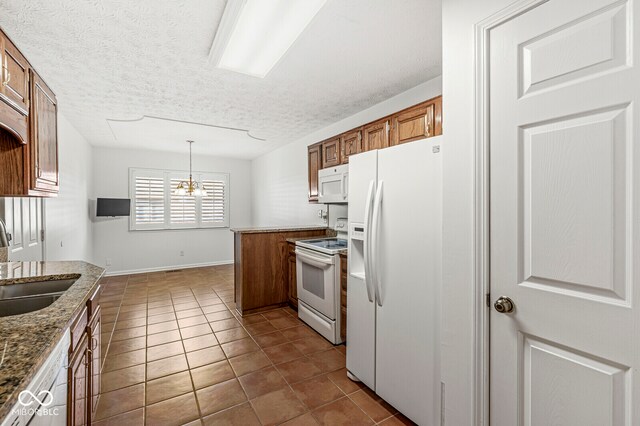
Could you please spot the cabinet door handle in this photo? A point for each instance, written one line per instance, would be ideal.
(94, 343)
(7, 75)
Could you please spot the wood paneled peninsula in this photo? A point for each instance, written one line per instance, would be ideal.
(261, 265)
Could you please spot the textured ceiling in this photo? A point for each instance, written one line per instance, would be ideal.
(123, 60)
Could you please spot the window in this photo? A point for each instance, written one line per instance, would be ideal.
(156, 206)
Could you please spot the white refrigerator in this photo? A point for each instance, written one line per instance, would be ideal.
(394, 279)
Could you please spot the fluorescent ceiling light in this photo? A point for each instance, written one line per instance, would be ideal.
(254, 34)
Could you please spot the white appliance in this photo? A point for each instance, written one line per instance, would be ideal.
(393, 292)
(333, 185)
(44, 401)
(318, 281)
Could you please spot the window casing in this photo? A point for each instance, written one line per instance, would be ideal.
(155, 205)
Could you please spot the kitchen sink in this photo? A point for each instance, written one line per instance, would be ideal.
(18, 299)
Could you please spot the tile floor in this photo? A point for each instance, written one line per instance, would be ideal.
(178, 353)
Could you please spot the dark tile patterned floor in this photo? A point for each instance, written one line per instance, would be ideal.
(178, 353)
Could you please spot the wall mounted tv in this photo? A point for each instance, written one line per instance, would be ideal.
(113, 207)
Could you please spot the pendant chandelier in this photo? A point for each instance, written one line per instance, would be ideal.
(191, 187)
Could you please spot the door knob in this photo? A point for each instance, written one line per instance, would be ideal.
(504, 305)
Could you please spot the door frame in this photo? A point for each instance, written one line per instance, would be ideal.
(481, 203)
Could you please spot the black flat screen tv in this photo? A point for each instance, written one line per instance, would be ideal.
(113, 207)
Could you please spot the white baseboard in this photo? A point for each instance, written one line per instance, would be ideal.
(166, 268)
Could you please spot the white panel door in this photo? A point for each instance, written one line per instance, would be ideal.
(564, 215)
(407, 262)
(24, 218)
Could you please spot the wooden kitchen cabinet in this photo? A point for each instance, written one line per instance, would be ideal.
(376, 135)
(418, 122)
(95, 343)
(291, 275)
(84, 371)
(261, 265)
(343, 297)
(78, 382)
(43, 146)
(350, 144)
(28, 128)
(414, 123)
(14, 91)
(314, 163)
(331, 152)
(15, 76)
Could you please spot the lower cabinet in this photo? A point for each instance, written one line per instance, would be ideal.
(84, 365)
(291, 275)
(77, 407)
(95, 343)
(343, 298)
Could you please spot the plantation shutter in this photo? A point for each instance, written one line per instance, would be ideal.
(149, 201)
(156, 206)
(214, 204)
(183, 207)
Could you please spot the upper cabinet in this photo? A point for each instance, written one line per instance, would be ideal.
(350, 144)
(44, 137)
(28, 128)
(419, 122)
(314, 163)
(15, 77)
(376, 135)
(14, 91)
(331, 152)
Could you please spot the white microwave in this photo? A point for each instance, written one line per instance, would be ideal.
(333, 185)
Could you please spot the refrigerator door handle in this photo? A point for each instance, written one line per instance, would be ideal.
(368, 278)
(377, 205)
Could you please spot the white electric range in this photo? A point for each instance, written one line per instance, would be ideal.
(318, 281)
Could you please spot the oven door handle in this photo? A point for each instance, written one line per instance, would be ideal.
(316, 261)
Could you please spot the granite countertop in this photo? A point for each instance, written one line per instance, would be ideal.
(266, 229)
(26, 340)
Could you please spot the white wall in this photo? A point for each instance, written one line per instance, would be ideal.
(459, 18)
(280, 183)
(131, 251)
(67, 222)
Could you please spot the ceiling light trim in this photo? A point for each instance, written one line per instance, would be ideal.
(254, 35)
(230, 16)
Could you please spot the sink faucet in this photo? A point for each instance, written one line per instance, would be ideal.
(4, 236)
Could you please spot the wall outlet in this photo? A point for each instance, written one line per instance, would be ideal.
(107, 262)
(181, 252)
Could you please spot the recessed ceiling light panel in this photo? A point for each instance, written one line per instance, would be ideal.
(254, 34)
